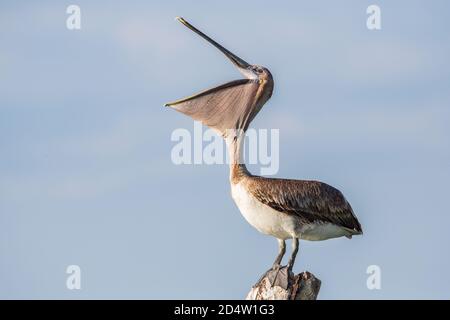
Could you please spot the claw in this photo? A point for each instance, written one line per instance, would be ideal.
(273, 273)
(282, 278)
(277, 276)
(266, 274)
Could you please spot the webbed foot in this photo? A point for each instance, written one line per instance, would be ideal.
(277, 276)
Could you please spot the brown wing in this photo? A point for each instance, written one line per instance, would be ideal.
(311, 201)
(229, 106)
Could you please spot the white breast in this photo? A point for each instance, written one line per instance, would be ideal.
(262, 217)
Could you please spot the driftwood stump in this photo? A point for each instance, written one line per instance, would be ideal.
(303, 286)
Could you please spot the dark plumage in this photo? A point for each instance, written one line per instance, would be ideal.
(311, 201)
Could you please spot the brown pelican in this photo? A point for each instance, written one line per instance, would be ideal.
(283, 208)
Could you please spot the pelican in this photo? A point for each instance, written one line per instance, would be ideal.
(283, 208)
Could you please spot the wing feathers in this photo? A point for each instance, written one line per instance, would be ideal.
(311, 201)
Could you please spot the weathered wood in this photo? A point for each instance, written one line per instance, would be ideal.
(303, 286)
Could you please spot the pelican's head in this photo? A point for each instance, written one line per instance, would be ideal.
(256, 72)
(263, 75)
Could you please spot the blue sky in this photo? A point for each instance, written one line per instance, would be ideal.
(85, 171)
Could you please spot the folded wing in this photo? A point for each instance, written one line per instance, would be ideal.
(311, 201)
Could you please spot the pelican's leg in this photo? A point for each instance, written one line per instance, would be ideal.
(281, 277)
(277, 263)
(293, 255)
(281, 252)
(272, 273)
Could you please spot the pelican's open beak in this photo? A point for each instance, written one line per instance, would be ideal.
(229, 106)
(238, 62)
